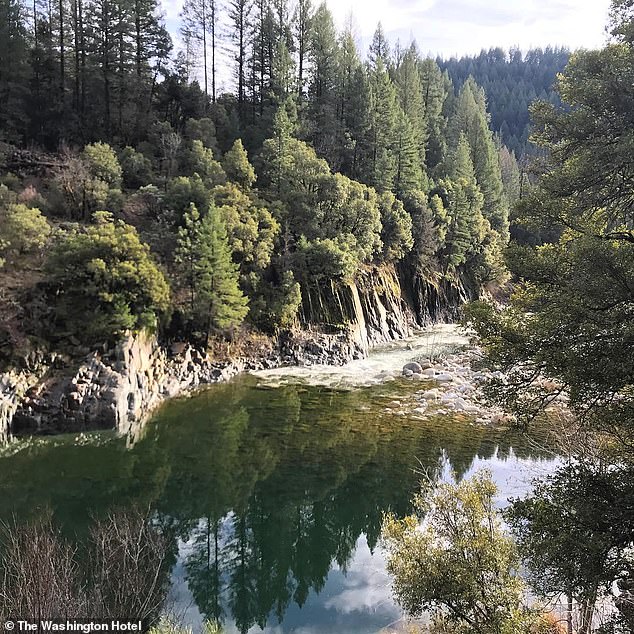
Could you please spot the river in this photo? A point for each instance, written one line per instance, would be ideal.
(273, 487)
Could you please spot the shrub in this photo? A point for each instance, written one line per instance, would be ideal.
(104, 281)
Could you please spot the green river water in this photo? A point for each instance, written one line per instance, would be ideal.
(273, 490)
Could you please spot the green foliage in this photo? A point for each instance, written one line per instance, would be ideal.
(251, 228)
(512, 80)
(470, 121)
(459, 564)
(381, 162)
(275, 306)
(183, 191)
(22, 230)
(102, 163)
(317, 204)
(325, 259)
(200, 160)
(572, 536)
(208, 273)
(396, 227)
(237, 167)
(203, 130)
(136, 168)
(107, 273)
(428, 232)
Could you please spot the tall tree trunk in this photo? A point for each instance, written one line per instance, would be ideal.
(77, 53)
(106, 67)
(213, 51)
(204, 29)
(82, 43)
(121, 70)
(62, 61)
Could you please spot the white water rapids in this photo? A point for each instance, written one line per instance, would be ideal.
(384, 363)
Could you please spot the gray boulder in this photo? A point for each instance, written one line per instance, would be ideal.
(413, 367)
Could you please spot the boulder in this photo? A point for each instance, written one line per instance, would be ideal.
(413, 367)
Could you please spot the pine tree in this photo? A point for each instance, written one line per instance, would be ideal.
(303, 25)
(379, 48)
(434, 96)
(13, 69)
(410, 95)
(470, 118)
(467, 226)
(216, 301)
(409, 175)
(237, 167)
(239, 12)
(380, 168)
(353, 106)
(322, 90)
(199, 19)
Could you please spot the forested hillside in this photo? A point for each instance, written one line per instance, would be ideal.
(512, 81)
(161, 201)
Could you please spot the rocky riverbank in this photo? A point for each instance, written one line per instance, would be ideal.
(119, 388)
(459, 379)
(457, 387)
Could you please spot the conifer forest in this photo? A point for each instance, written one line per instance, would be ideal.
(306, 330)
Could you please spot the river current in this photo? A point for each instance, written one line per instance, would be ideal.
(273, 486)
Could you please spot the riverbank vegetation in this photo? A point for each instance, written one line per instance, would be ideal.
(570, 322)
(149, 198)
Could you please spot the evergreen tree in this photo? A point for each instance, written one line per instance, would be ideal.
(216, 301)
(410, 95)
(322, 125)
(379, 48)
(303, 27)
(237, 167)
(409, 176)
(199, 19)
(239, 12)
(470, 118)
(13, 70)
(381, 164)
(434, 94)
(467, 226)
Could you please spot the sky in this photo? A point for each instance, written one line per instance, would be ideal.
(457, 27)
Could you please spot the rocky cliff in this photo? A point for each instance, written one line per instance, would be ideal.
(118, 388)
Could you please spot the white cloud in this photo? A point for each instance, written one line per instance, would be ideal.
(450, 27)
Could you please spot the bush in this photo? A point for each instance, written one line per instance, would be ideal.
(102, 163)
(103, 281)
(326, 259)
(136, 168)
(22, 230)
(122, 571)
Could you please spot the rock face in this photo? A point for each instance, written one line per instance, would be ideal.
(13, 386)
(372, 307)
(119, 388)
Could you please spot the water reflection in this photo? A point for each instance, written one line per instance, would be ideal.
(272, 498)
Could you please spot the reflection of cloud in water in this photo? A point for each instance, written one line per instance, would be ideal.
(357, 600)
(366, 586)
(513, 476)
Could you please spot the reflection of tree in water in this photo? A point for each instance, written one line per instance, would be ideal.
(204, 569)
(269, 487)
(336, 470)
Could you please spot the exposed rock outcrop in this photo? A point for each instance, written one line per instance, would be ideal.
(372, 308)
(119, 388)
